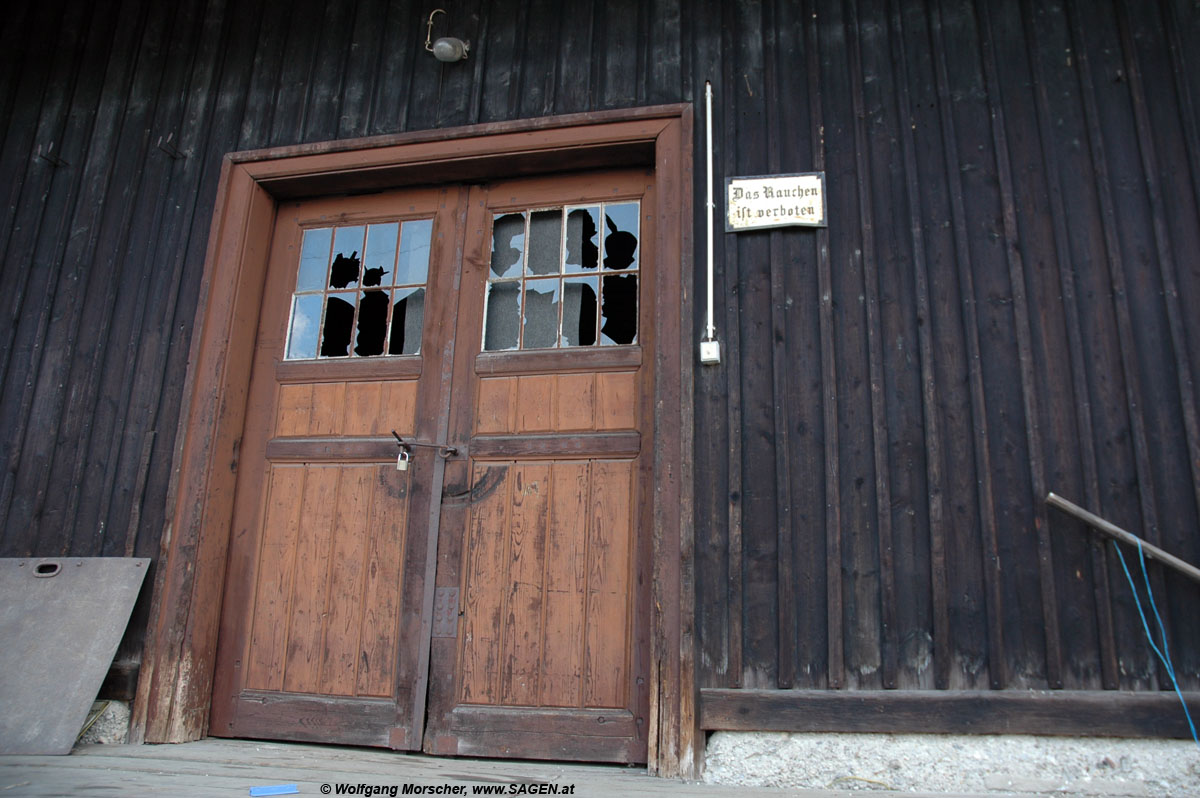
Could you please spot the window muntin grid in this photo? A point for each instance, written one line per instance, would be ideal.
(561, 277)
(347, 305)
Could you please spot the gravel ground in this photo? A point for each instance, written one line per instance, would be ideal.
(954, 765)
(111, 728)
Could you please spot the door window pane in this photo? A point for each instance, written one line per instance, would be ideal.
(580, 301)
(618, 309)
(360, 290)
(412, 267)
(502, 321)
(543, 290)
(583, 250)
(541, 314)
(408, 317)
(347, 263)
(338, 325)
(372, 323)
(306, 326)
(621, 236)
(545, 241)
(379, 258)
(314, 259)
(508, 244)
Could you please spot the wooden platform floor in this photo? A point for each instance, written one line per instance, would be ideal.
(231, 767)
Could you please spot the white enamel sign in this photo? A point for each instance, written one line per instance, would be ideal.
(752, 203)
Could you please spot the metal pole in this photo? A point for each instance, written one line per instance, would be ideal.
(709, 330)
(1114, 531)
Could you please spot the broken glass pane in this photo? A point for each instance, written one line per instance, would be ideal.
(306, 326)
(545, 240)
(412, 267)
(408, 317)
(372, 323)
(314, 259)
(618, 316)
(621, 238)
(583, 250)
(508, 243)
(579, 311)
(541, 314)
(503, 316)
(339, 325)
(346, 263)
(380, 254)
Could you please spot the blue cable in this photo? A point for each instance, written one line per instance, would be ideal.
(1165, 658)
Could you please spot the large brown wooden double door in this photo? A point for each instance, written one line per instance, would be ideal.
(492, 597)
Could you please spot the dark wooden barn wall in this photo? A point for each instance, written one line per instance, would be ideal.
(1004, 302)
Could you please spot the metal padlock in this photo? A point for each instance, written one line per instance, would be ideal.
(402, 460)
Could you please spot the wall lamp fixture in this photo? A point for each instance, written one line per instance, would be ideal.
(447, 48)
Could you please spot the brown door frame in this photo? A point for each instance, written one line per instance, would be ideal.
(175, 682)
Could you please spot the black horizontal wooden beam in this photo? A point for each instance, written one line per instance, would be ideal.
(1052, 712)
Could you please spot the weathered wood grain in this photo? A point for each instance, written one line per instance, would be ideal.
(311, 568)
(483, 594)
(608, 597)
(1021, 318)
(1137, 663)
(1088, 473)
(561, 677)
(523, 584)
(383, 585)
(273, 596)
(344, 608)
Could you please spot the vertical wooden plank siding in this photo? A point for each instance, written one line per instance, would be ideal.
(1086, 478)
(785, 538)
(999, 307)
(835, 675)
(731, 339)
(1016, 271)
(1137, 661)
(1164, 255)
(933, 456)
(878, 434)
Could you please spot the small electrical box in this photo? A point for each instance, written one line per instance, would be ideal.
(710, 352)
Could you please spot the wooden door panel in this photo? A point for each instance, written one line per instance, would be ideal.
(272, 599)
(548, 551)
(326, 613)
(310, 567)
(608, 646)
(321, 635)
(546, 648)
(565, 587)
(347, 408)
(557, 403)
(546, 602)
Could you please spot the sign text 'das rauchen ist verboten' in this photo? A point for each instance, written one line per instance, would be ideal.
(752, 203)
